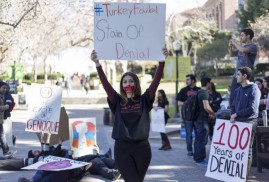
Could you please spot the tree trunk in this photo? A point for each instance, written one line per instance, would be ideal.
(45, 70)
(216, 67)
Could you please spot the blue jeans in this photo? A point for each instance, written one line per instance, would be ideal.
(189, 126)
(201, 138)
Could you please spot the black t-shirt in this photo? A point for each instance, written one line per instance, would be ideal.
(215, 101)
(131, 119)
(202, 95)
(186, 92)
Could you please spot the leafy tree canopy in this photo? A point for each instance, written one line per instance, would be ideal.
(253, 10)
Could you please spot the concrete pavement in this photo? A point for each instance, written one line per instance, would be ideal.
(171, 166)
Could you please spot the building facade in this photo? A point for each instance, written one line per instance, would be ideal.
(223, 12)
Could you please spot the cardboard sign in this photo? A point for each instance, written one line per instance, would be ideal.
(53, 163)
(229, 150)
(63, 128)
(129, 31)
(82, 136)
(157, 120)
(44, 109)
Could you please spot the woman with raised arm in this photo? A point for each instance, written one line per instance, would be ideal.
(131, 120)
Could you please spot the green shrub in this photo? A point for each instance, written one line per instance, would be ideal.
(261, 68)
(226, 71)
(28, 76)
(40, 76)
(54, 76)
(41, 81)
(28, 82)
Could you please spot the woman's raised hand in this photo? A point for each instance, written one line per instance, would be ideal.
(94, 58)
(165, 52)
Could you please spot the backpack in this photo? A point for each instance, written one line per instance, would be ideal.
(10, 101)
(12, 105)
(190, 108)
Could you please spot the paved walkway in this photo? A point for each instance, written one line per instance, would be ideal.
(169, 166)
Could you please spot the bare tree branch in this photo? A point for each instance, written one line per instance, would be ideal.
(14, 25)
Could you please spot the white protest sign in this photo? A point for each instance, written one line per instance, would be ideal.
(53, 163)
(8, 131)
(229, 150)
(44, 109)
(82, 132)
(129, 31)
(157, 120)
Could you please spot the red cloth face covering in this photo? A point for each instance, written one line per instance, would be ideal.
(128, 88)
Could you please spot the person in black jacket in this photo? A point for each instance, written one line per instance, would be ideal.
(214, 101)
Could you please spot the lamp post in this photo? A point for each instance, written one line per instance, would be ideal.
(14, 71)
(176, 47)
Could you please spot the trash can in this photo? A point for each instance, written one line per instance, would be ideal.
(21, 99)
(182, 133)
(106, 116)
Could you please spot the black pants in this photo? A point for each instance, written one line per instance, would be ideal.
(163, 135)
(132, 159)
(211, 124)
(103, 167)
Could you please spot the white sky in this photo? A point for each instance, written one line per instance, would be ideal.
(179, 5)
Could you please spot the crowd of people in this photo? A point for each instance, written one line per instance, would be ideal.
(247, 100)
(131, 108)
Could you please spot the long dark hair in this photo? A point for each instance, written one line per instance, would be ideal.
(137, 91)
(163, 98)
(213, 87)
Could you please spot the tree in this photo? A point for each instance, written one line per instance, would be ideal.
(216, 49)
(12, 13)
(249, 13)
(45, 27)
(260, 28)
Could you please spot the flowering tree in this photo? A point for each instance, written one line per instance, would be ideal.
(43, 27)
(260, 28)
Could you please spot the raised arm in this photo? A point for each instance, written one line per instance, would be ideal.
(107, 86)
(157, 77)
(239, 47)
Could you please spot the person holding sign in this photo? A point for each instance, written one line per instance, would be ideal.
(245, 106)
(132, 123)
(164, 103)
